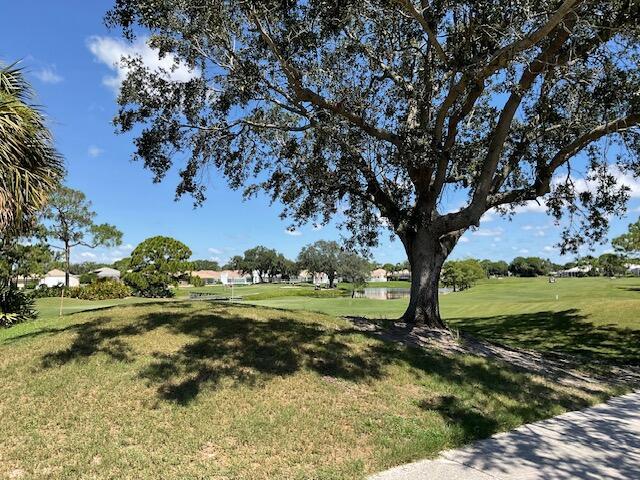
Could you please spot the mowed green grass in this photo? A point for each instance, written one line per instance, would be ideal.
(191, 390)
(598, 318)
(262, 291)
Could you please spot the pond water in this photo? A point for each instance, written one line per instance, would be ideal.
(385, 293)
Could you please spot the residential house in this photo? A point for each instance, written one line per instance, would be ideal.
(55, 277)
(209, 277)
(106, 273)
(633, 269)
(399, 275)
(378, 275)
(578, 271)
(22, 282)
(235, 277)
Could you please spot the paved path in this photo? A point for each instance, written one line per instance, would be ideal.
(601, 442)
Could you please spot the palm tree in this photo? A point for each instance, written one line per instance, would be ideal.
(30, 167)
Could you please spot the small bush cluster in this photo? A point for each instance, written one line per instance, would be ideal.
(96, 291)
(102, 291)
(15, 306)
(43, 291)
(196, 281)
(149, 284)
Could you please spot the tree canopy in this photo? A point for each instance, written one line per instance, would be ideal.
(354, 269)
(380, 109)
(529, 266)
(70, 221)
(265, 261)
(629, 242)
(498, 268)
(30, 166)
(321, 257)
(205, 265)
(461, 274)
(156, 264)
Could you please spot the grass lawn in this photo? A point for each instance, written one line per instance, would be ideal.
(264, 291)
(595, 317)
(224, 391)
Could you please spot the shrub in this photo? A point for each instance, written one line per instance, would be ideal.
(15, 306)
(149, 286)
(101, 291)
(196, 281)
(88, 278)
(96, 291)
(156, 264)
(43, 291)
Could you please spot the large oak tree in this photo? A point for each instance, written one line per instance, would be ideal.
(380, 109)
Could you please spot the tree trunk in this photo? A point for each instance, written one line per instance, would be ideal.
(426, 256)
(331, 280)
(67, 256)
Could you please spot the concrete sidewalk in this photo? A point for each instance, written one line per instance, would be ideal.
(601, 442)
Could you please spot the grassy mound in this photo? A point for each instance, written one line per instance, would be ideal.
(203, 390)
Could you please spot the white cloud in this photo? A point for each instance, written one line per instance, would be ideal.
(48, 75)
(549, 248)
(94, 151)
(495, 232)
(127, 246)
(88, 255)
(532, 206)
(463, 240)
(489, 216)
(630, 181)
(293, 233)
(215, 251)
(523, 250)
(622, 178)
(536, 230)
(111, 51)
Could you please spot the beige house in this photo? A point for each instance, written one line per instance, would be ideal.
(378, 275)
(400, 275)
(55, 277)
(209, 277)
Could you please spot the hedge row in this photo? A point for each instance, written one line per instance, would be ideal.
(95, 291)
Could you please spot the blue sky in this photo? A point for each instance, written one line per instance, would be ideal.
(69, 55)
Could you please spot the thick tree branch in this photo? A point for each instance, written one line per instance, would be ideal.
(542, 183)
(499, 60)
(477, 206)
(408, 6)
(294, 79)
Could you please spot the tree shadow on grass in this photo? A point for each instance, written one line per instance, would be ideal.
(224, 346)
(567, 332)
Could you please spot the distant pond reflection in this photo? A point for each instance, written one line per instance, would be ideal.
(384, 293)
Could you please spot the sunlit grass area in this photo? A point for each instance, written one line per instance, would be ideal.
(216, 390)
(595, 317)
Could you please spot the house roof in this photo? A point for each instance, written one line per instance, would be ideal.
(107, 272)
(378, 272)
(206, 274)
(578, 269)
(55, 273)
